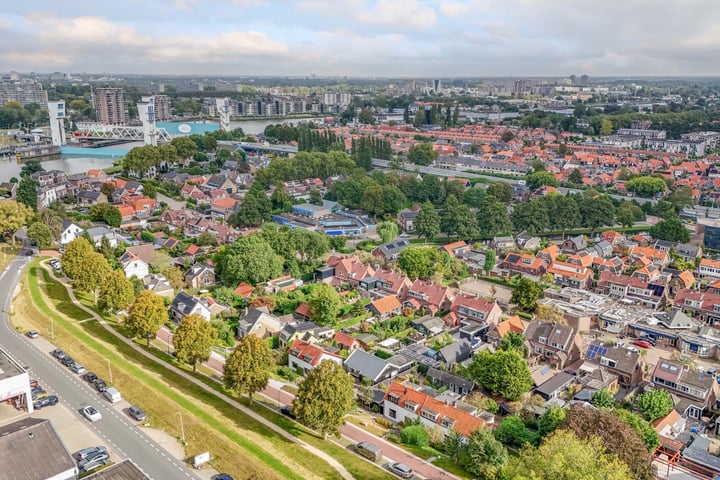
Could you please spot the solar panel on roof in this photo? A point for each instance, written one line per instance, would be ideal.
(545, 370)
(601, 350)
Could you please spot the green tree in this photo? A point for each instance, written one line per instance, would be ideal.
(646, 186)
(602, 399)
(174, 276)
(116, 292)
(503, 372)
(93, 270)
(206, 239)
(316, 197)
(513, 341)
(486, 456)
(256, 208)
(531, 216)
(420, 262)
(13, 216)
(194, 339)
(41, 234)
(422, 154)
(250, 259)
(27, 192)
(453, 445)
(373, 200)
(536, 180)
(526, 294)
(490, 259)
(550, 420)
(642, 427)
(576, 177)
(324, 397)
(512, 431)
(564, 456)
(366, 116)
(493, 217)
(107, 189)
(184, 146)
(388, 231)
(427, 222)
(324, 302)
(112, 216)
(247, 369)
(671, 229)
(626, 215)
(682, 197)
(457, 219)
(146, 315)
(501, 191)
(75, 253)
(596, 211)
(654, 404)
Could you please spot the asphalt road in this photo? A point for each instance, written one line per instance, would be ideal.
(116, 428)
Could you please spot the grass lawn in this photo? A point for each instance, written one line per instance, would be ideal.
(210, 423)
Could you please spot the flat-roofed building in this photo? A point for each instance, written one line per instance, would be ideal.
(14, 382)
(31, 449)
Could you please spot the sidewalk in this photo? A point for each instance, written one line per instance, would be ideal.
(334, 463)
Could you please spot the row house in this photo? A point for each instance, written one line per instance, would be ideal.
(558, 345)
(477, 309)
(349, 270)
(703, 306)
(709, 268)
(428, 296)
(406, 218)
(689, 253)
(692, 389)
(386, 282)
(657, 257)
(403, 403)
(549, 254)
(305, 356)
(524, 263)
(649, 295)
(613, 265)
(51, 177)
(570, 275)
(223, 207)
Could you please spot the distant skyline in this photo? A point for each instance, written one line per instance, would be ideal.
(384, 38)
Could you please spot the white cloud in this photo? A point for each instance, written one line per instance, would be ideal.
(398, 13)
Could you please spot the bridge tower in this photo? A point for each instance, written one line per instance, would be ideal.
(56, 111)
(223, 108)
(146, 111)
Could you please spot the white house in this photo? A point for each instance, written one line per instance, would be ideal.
(70, 232)
(133, 266)
(97, 234)
(307, 356)
(185, 304)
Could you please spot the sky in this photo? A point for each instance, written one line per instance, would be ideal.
(368, 38)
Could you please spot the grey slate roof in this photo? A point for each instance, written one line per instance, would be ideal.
(558, 381)
(366, 364)
(122, 470)
(438, 376)
(456, 352)
(31, 448)
(393, 249)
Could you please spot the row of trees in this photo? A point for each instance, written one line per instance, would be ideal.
(316, 140)
(306, 165)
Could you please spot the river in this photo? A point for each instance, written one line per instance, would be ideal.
(9, 167)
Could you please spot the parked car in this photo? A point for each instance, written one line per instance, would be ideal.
(77, 368)
(33, 383)
(32, 334)
(86, 452)
(45, 402)
(137, 413)
(642, 343)
(112, 395)
(68, 361)
(38, 393)
(89, 377)
(95, 461)
(400, 469)
(287, 412)
(59, 354)
(221, 476)
(91, 413)
(100, 385)
(368, 450)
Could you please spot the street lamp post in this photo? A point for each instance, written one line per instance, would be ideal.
(109, 369)
(52, 328)
(182, 427)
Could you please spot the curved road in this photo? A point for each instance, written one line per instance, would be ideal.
(115, 428)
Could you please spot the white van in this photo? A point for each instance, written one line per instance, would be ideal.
(112, 395)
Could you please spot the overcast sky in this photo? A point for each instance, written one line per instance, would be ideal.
(363, 37)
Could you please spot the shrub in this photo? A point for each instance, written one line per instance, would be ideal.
(415, 435)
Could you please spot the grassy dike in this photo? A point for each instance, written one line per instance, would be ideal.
(239, 444)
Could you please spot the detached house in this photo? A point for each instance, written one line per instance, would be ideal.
(385, 307)
(305, 356)
(349, 270)
(558, 345)
(627, 364)
(391, 251)
(570, 275)
(403, 403)
(184, 304)
(500, 330)
(259, 322)
(386, 282)
(524, 263)
(425, 295)
(362, 365)
(477, 309)
(69, 232)
(200, 276)
(133, 266)
(574, 244)
(406, 218)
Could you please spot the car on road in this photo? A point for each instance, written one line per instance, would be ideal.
(91, 413)
(100, 385)
(287, 412)
(137, 413)
(32, 334)
(45, 402)
(77, 368)
(59, 354)
(368, 450)
(221, 476)
(68, 361)
(642, 343)
(89, 377)
(400, 469)
(86, 452)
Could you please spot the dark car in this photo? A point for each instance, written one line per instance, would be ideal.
(100, 385)
(287, 412)
(67, 361)
(221, 476)
(137, 413)
(45, 402)
(85, 453)
(89, 377)
(59, 354)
